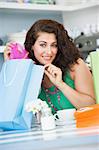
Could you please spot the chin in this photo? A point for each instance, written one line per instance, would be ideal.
(44, 62)
(48, 61)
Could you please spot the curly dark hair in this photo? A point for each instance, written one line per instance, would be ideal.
(67, 54)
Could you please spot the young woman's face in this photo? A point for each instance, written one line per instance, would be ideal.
(45, 48)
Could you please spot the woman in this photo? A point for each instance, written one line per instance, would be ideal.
(67, 81)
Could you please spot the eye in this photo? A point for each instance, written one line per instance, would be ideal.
(43, 45)
(54, 45)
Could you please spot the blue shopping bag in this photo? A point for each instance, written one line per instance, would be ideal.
(20, 82)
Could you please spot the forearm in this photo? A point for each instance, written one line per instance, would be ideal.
(76, 98)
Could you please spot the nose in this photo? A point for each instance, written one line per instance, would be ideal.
(48, 50)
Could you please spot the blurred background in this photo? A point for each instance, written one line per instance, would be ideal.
(80, 18)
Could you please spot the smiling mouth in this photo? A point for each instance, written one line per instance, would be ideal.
(47, 57)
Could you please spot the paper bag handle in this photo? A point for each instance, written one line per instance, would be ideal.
(5, 78)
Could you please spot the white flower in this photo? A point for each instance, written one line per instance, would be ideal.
(36, 106)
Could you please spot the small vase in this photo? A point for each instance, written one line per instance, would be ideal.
(47, 120)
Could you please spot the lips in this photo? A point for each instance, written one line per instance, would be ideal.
(47, 57)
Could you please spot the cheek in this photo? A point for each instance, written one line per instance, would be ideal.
(37, 53)
(55, 51)
(35, 50)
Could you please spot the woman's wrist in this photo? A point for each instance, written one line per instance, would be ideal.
(61, 85)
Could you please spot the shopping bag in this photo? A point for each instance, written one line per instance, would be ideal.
(95, 71)
(20, 82)
(18, 51)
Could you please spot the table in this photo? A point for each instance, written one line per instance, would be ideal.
(66, 137)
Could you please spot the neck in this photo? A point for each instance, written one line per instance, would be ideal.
(46, 82)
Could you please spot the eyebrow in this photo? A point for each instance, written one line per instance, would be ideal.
(43, 41)
(46, 42)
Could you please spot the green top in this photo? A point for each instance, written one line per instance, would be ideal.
(64, 102)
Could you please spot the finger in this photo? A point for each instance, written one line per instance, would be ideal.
(7, 51)
(47, 73)
(46, 66)
(52, 70)
(50, 75)
(54, 74)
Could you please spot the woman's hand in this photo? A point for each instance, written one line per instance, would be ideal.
(54, 74)
(7, 51)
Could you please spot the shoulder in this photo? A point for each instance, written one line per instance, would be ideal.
(80, 68)
(80, 65)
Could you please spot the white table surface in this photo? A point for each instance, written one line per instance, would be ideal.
(66, 137)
